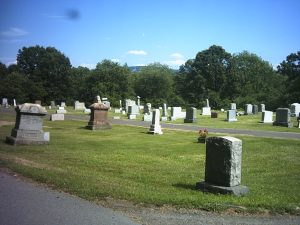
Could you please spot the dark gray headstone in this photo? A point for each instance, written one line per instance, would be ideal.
(191, 114)
(283, 118)
(28, 127)
(255, 109)
(223, 166)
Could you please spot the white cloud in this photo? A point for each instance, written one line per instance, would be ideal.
(88, 65)
(14, 32)
(137, 52)
(115, 60)
(174, 63)
(176, 55)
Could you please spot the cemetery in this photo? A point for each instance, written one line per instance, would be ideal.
(123, 162)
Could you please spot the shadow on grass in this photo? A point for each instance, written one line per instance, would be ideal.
(185, 186)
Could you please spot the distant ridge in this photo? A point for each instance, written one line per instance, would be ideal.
(136, 68)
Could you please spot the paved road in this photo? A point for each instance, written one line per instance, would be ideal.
(23, 203)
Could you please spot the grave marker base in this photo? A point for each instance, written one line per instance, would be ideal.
(235, 190)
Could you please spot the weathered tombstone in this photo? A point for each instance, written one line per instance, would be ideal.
(61, 110)
(176, 113)
(231, 115)
(128, 102)
(120, 102)
(106, 102)
(15, 104)
(52, 103)
(214, 115)
(248, 109)
(191, 114)
(57, 116)
(98, 116)
(79, 105)
(223, 167)
(87, 111)
(295, 109)
(255, 109)
(4, 101)
(133, 110)
(155, 127)
(63, 104)
(165, 114)
(147, 113)
(283, 118)
(261, 108)
(138, 100)
(28, 128)
(233, 106)
(267, 117)
(206, 111)
(38, 102)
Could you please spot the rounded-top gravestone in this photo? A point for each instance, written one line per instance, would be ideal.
(98, 117)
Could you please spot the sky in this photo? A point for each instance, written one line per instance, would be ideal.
(140, 32)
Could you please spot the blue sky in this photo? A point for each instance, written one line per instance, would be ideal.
(139, 32)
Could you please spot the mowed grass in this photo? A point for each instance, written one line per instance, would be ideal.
(127, 163)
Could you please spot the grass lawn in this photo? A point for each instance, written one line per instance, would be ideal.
(127, 163)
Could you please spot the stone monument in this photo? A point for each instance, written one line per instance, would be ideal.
(255, 109)
(267, 117)
(295, 109)
(147, 113)
(165, 114)
(79, 106)
(28, 128)
(155, 127)
(233, 106)
(206, 111)
(248, 109)
(261, 107)
(191, 114)
(231, 115)
(283, 118)
(223, 167)
(98, 116)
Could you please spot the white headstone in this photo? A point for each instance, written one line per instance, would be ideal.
(206, 111)
(295, 109)
(63, 104)
(233, 106)
(61, 110)
(155, 127)
(15, 104)
(138, 100)
(267, 117)
(58, 116)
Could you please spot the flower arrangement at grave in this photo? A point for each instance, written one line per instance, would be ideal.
(202, 135)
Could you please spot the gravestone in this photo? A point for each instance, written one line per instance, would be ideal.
(79, 105)
(214, 115)
(155, 127)
(298, 120)
(128, 102)
(223, 167)
(248, 109)
(255, 109)
(233, 106)
(117, 110)
(38, 102)
(176, 113)
(133, 110)
(267, 117)
(28, 128)
(106, 102)
(98, 117)
(191, 114)
(15, 103)
(206, 111)
(231, 115)
(57, 116)
(261, 108)
(147, 113)
(295, 109)
(63, 104)
(165, 114)
(4, 101)
(138, 100)
(283, 118)
(52, 104)
(87, 111)
(61, 110)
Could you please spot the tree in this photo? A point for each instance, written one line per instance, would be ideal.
(78, 78)
(110, 80)
(291, 68)
(49, 69)
(154, 83)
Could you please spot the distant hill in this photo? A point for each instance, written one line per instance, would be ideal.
(135, 68)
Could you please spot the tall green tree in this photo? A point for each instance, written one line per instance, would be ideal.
(154, 83)
(291, 68)
(78, 78)
(110, 80)
(49, 69)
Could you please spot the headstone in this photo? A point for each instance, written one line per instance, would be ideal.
(138, 100)
(15, 104)
(63, 104)
(248, 109)
(261, 108)
(207, 103)
(4, 101)
(233, 106)
(87, 111)
(214, 115)
(79, 105)
(155, 127)
(128, 102)
(191, 114)
(231, 115)
(52, 103)
(28, 128)
(120, 102)
(206, 111)
(117, 110)
(176, 113)
(255, 109)
(267, 117)
(147, 113)
(298, 120)
(283, 118)
(61, 110)
(223, 167)
(57, 116)
(295, 109)
(98, 117)
(106, 102)
(133, 110)
(123, 112)
(97, 99)
(38, 102)
(165, 114)
(222, 110)
(116, 117)
(49, 107)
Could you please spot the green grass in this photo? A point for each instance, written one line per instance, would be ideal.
(127, 163)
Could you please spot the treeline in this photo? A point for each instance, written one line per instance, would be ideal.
(46, 74)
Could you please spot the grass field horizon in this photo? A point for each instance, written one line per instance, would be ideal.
(127, 163)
